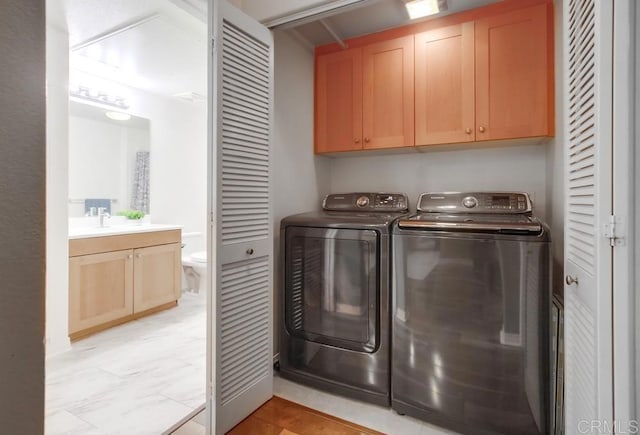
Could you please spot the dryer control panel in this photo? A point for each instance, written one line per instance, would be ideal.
(371, 202)
(475, 202)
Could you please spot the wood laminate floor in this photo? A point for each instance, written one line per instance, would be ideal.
(281, 417)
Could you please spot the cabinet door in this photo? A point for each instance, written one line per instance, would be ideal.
(100, 289)
(445, 76)
(388, 112)
(514, 77)
(156, 276)
(339, 101)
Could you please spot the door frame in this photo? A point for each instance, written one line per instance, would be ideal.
(624, 305)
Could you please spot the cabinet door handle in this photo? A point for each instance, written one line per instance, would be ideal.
(482, 129)
(570, 280)
(468, 130)
(129, 256)
(137, 255)
(356, 140)
(367, 140)
(250, 251)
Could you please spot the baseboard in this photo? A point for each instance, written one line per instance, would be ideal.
(182, 422)
(55, 347)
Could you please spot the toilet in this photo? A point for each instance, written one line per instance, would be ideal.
(194, 268)
(194, 263)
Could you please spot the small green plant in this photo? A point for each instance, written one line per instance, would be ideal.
(131, 214)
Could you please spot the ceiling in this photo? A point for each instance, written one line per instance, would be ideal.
(160, 46)
(373, 16)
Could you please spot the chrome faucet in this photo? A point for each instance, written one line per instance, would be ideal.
(102, 213)
(92, 212)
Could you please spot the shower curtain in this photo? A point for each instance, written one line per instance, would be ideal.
(140, 195)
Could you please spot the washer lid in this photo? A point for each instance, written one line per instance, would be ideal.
(199, 257)
(488, 223)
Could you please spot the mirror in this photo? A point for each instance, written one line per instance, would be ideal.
(108, 161)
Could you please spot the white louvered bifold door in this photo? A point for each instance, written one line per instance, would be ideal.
(241, 107)
(588, 187)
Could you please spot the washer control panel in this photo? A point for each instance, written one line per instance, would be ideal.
(373, 202)
(475, 202)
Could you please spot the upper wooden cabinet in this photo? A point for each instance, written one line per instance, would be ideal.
(485, 80)
(445, 85)
(364, 97)
(514, 75)
(388, 113)
(339, 101)
(484, 74)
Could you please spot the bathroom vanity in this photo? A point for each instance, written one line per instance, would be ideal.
(117, 274)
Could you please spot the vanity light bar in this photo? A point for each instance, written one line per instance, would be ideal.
(95, 96)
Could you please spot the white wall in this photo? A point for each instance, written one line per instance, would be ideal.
(300, 179)
(513, 168)
(22, 221)
(178, 173)
(57, 275)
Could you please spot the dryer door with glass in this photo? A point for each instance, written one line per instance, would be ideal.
(331, 287)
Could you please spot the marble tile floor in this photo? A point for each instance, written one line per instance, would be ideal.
(138, 378)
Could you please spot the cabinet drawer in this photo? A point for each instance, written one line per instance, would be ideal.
(94, 245)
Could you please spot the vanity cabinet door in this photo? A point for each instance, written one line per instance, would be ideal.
(100, 289)
(156, 276)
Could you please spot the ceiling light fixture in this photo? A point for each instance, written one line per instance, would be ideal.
(100, 97)
(118, 116)
(423, 8)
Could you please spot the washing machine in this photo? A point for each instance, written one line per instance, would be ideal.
(335, 277)
(470, 315)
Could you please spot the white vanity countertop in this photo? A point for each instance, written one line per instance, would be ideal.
(114, 230)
